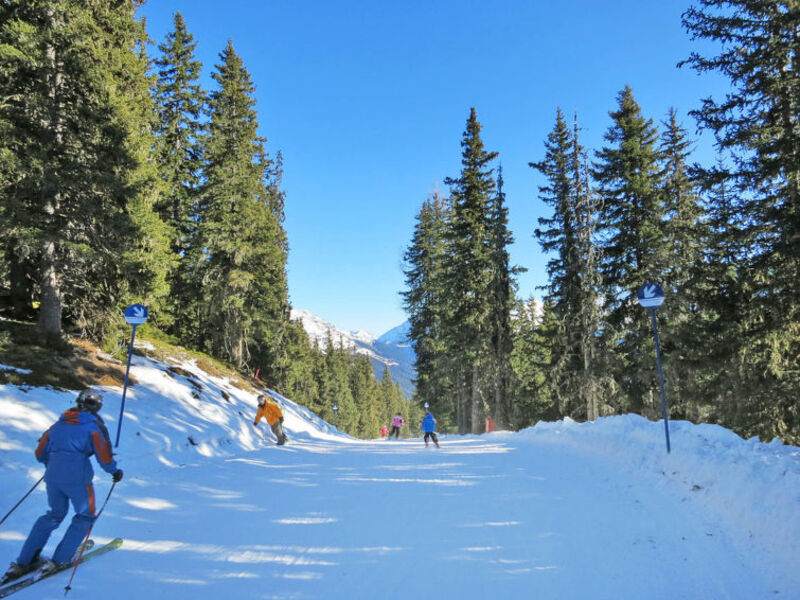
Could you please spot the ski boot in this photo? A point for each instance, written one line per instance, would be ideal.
(15, 571)
(49, 566)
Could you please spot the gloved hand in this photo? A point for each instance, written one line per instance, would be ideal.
(255, 424)
(117, 475)
(281, 420)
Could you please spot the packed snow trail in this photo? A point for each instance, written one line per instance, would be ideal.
(211, 509)
(495, 516)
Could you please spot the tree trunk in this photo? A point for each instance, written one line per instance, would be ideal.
(499, 400)
(461, 403)
(500, 389)
(588, 386)
(50, 308)
(476, 412)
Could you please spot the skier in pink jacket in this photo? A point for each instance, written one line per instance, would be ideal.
(397, 422)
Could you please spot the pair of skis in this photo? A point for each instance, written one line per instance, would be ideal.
(34, 576)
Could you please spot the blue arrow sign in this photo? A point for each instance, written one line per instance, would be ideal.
(650, 295)
(136, 314)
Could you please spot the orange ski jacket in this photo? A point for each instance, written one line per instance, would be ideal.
(270, 412)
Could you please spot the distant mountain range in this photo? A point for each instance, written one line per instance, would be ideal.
(391, 349)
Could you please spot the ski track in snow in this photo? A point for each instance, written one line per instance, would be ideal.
(559, 511)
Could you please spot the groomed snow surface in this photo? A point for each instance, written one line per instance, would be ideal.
(558, 511)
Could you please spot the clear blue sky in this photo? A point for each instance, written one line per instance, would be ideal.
(368, 99)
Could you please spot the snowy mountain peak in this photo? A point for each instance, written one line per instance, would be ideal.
(319, 330)
(390, 350)
(363, 336)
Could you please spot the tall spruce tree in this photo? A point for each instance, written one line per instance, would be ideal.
(503, 288)
(338, 404)
(180, 101)
(718, 301)
(569, 236)
(393, 402)
(78, 218)
(426, 303)
(244, 278)
(469, 269)
(366, 395)
(757, 127)
(297, 380)
(534, 396)
(634, 250)
(685, 276)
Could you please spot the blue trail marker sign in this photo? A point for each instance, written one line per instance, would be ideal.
(651, 296)
(135, 314)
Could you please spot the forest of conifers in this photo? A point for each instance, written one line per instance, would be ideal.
(723, 241)
(122, 180)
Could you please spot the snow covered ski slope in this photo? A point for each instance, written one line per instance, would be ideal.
(559, 511)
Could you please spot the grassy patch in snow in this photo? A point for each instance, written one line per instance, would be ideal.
(73, 363)
(67, 363)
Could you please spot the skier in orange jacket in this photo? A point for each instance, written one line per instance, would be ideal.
(272, 413)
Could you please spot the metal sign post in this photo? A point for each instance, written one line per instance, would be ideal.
(135, 315)
(651, 296)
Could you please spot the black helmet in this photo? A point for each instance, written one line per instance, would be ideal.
(90, 400)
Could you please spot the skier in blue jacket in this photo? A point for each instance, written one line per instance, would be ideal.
(429, 427)
(65, 449)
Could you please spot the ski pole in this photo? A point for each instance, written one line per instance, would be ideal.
(86, 539)
(30, 491)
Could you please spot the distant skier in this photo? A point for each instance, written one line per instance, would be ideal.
(272, 413)
(397, 422)
(384, 431)
(429, 427)
(65, 449)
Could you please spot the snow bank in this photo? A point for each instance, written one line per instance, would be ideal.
(753, 487)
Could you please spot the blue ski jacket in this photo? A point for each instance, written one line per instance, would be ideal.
(66, 447)
(428, 423)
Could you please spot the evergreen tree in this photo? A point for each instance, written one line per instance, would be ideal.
(534, 396)
(634, 251)
(366, 395)
(685, 276)
(426, 302)
(337, 392)
(757, 126)
(180, 101)
(78, 197)
(320, 372)
(469, 271)
(16, 266)
(297, 380)
(717, 300)
(682, 209)
(569, 236)
(503, 289)
(244, 279)
(393, 402)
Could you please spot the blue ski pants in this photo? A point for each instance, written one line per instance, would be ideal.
(59, 496)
